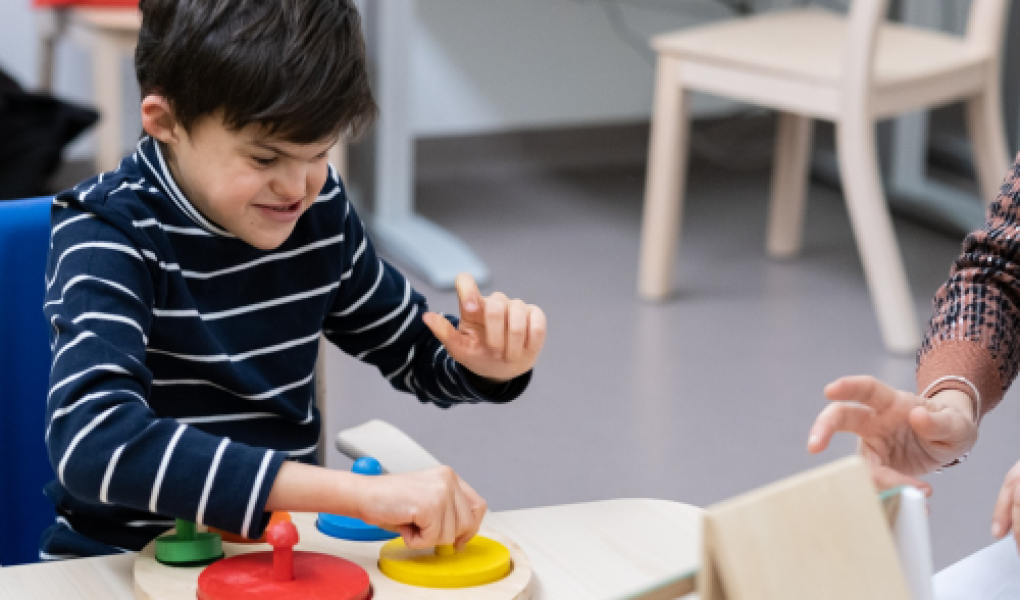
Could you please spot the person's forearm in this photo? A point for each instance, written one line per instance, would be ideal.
(306, 488)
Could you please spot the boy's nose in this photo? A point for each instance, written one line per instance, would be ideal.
(293, 184)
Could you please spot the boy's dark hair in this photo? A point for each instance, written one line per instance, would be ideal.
(295, 67)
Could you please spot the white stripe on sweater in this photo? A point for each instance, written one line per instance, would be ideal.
(265, 259)
(105, 367)
(223, 314)
(246, 526)
(410, 317)
(364, 298)
(228, 418)
(154, 500)
(200, 515)
(98, 316)
(302, 451)
(66, 222)
(104, 491)
(170, 228)
(209, 358)
(81, 337)
(78, 438)
(263, 396)
(80, 278)
(392, 315)
(100, 245)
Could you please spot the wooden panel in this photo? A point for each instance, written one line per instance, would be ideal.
(820, 534)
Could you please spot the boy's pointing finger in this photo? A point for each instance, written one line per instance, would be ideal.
(471, 303)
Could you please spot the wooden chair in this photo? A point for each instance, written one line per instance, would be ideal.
(814, 64)
(110, 29)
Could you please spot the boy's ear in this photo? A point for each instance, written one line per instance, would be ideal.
(158, 119)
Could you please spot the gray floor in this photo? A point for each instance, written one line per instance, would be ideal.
(695, 400)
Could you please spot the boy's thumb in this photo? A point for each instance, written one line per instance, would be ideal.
(440, 327)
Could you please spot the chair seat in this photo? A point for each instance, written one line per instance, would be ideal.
(774, 44)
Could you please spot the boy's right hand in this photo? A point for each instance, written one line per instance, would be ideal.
(428, 508)
(901, 435)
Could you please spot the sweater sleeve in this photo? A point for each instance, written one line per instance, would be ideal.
(377, 317)
(105, 442)
(974, 330)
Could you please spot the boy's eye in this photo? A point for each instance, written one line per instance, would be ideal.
(265, 162)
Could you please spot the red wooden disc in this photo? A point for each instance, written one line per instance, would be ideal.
(316, 577)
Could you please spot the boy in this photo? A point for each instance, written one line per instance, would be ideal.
(187, 291)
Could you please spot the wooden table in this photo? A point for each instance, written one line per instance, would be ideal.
(592, 550)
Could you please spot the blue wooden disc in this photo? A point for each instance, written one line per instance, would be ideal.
(349, 528)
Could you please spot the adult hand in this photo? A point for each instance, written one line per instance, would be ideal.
(498, 338)
(901, 435)
(428, 508)
(1007, 507)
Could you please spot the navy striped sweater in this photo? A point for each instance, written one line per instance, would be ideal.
(183, 358)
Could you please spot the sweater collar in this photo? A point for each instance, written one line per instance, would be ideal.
(151, 156)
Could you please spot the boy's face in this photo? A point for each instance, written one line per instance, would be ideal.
(254, 186)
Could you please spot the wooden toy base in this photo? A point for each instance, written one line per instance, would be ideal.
(155, 581)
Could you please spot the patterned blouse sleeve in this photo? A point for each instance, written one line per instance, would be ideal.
(975, 330)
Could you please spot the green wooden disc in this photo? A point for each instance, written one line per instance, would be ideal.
(186, 548)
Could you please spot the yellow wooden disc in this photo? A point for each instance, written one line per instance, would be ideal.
(480, 562)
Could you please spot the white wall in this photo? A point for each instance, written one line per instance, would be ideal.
(478, 66)
(485, 65)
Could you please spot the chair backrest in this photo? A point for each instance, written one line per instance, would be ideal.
(986, 26)
(24, 379)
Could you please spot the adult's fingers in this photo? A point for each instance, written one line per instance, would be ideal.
(947, 427)
(1004, 514)
(472, 304)
(864, 389)
(495, 323)
(838, 416)
(516, 329)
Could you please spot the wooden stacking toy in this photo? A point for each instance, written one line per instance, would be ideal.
(156, 581)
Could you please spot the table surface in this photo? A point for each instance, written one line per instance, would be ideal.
(591, 550)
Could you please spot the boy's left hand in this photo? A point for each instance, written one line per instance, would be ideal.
(498, 338)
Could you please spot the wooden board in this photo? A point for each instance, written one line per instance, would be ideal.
(819, 534)
(155, 581)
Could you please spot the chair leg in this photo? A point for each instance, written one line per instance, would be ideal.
(988, 139)
(876, 239)
(106, 81)
(667, 166)
(789, 184)
(51, 24)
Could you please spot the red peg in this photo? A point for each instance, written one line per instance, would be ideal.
(284, 574)
(283, 537)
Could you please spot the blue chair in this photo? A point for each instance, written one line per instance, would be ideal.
(24, 378)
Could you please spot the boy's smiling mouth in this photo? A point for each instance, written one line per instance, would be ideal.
(284, 213)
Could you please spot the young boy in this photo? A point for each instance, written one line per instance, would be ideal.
(187, 291)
